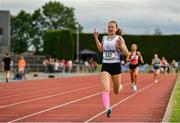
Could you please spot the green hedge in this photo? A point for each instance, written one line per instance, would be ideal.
(86, 41)
(164, 45)
(59, 43)
(62, 44)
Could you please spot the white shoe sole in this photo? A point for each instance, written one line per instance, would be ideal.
(135, 88)
(120, 88)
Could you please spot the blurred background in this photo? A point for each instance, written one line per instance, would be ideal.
(56, 36)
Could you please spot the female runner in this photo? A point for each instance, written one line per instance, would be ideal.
(111, 68)
(156, 62)
(134, 57)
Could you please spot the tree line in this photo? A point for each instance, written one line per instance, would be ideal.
(27, 29)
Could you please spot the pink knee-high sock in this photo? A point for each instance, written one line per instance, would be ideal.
(106, 101)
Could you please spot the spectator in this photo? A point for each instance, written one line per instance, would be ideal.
(86, 66)
(22, 66)
(93, 65)
(51, 65)
(45, 64)
(70, 66)
(63, 65)
(56, 65)
(81, 65)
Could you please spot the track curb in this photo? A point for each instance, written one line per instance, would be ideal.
(170, 102)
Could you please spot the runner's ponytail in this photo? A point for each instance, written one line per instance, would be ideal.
(119, 32)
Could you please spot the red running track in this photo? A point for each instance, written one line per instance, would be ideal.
(78, 99)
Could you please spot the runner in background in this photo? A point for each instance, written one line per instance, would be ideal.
(174, 66)
(7, 63)
(164, 65)
(111, 68)
(134, 57)
(156, 62)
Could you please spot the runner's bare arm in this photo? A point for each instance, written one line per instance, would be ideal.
(140, 56)
(123, 46)
(128, 57)
(152, 62)
(98, 43)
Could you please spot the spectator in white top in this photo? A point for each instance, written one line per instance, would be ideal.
(56, 65)
(70, 66)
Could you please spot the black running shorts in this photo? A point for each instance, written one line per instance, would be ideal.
(133, 66)
(111, 68)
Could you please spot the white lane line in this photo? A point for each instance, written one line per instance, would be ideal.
(121, 101)
(8, 96)
(4, 97)
(44, 90)
(64, 104)
(45, 97)
(33, 84)
(58, 106)
(27, 88)
(55, 107)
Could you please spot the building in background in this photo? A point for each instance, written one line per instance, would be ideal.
(4, 31)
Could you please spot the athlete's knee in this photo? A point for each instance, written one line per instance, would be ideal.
(136, 74)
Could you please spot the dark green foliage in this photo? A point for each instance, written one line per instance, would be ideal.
(59, 16)
(66, 44)
(164, 45)
(20, 32)
(27, 29)
(59, 43)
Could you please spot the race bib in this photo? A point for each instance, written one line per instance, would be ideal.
(108, 55)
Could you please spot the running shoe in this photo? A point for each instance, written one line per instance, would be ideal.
(135, 88)
(109, 112)
(120, 88)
